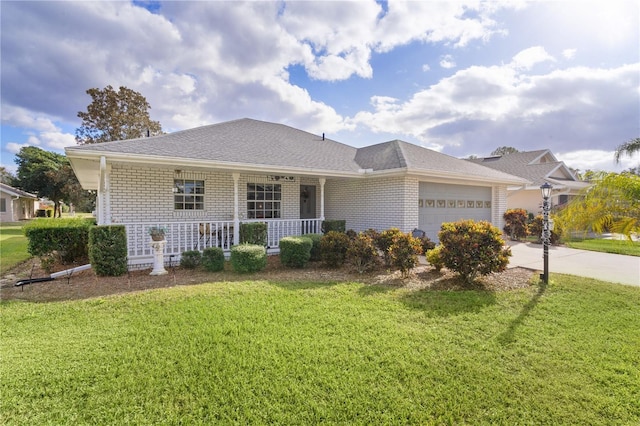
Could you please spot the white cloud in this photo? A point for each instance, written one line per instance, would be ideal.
(487, 107)
(426, 67)
(15, 148)
(57, 140)
(527, 58)
(447, 61)
(22, 117)
(569, 53)
(430, 21)
(596, 159)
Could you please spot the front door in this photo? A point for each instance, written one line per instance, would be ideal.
(307, 202)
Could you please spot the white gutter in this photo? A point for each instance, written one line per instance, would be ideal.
(149, 160)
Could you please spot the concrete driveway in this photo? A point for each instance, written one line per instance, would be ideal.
(613, 268)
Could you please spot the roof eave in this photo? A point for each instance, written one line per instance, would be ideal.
(220, 165)
(515, 180)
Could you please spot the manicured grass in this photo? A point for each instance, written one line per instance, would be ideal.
(13, 246)
(630, 248)
(260, 352)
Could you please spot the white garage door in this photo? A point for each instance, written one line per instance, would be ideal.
(440, 202)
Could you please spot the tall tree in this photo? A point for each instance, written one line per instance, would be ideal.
(113, 116)
(612, 203)
(46, 174)
(6, 176)
(628, 148)
(504, 150)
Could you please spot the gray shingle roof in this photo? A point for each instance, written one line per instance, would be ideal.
(400, 154)
(241, 141)
(252, 142)
(523, 164)
(17, 192)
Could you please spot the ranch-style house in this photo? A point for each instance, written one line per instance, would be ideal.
(200, 184)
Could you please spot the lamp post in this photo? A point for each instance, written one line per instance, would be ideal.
(546, 232)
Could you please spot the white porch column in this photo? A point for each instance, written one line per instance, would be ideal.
(236, 216)
(322, 182)
(103, 209)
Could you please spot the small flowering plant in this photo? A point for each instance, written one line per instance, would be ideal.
(157, 233)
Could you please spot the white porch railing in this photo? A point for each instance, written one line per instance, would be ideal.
(183, 236)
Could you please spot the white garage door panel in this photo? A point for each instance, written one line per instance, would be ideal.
(441, 202)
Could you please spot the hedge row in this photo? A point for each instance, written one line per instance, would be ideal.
(66, 238)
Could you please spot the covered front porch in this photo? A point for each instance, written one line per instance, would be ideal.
(199, 235)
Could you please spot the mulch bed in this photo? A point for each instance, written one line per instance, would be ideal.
(86, 284)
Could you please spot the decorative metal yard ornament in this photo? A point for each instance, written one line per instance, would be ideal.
(546, 232)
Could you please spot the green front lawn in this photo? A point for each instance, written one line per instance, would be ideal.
(13, 246)
(630, 248)
(260, 352)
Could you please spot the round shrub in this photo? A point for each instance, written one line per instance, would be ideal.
(295, 252)
(384, 241)
(434, 258)
(515, 224)
(190, 259)
(213, 259)
(362, 253)
(472, 248)
(248, 258)
(333, 248)
(404, 251)
(315, 247)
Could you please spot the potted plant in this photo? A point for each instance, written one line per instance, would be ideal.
(157, 233)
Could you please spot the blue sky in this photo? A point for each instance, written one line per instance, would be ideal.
(459, 77)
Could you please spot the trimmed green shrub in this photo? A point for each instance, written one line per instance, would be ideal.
(384, 241)
(248, 258)
(213, 259)
(404, 252)
(362, 253)
(295, 252)
(333, 248)
(333, 225)
(515, 224)
(535, 229)
(190, 259)
(472, 248)
(315, 247)
(434, 258)
(69, 238)
(253, 233)
(108, 250)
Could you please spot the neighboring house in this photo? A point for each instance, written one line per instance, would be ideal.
(16, 204)
(537, 167)
(202, 183)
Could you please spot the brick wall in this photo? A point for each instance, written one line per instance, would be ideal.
(499, 206)
(140, 194)
(379, 203)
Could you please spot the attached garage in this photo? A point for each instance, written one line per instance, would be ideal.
(441, 202)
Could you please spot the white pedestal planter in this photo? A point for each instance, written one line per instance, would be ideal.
(158, 257)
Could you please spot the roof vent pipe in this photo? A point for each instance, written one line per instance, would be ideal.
(323, 136)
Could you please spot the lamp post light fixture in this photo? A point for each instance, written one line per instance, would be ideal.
(546, 232)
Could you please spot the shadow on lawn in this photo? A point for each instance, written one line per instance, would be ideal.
(508, 336)
(448, 303)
